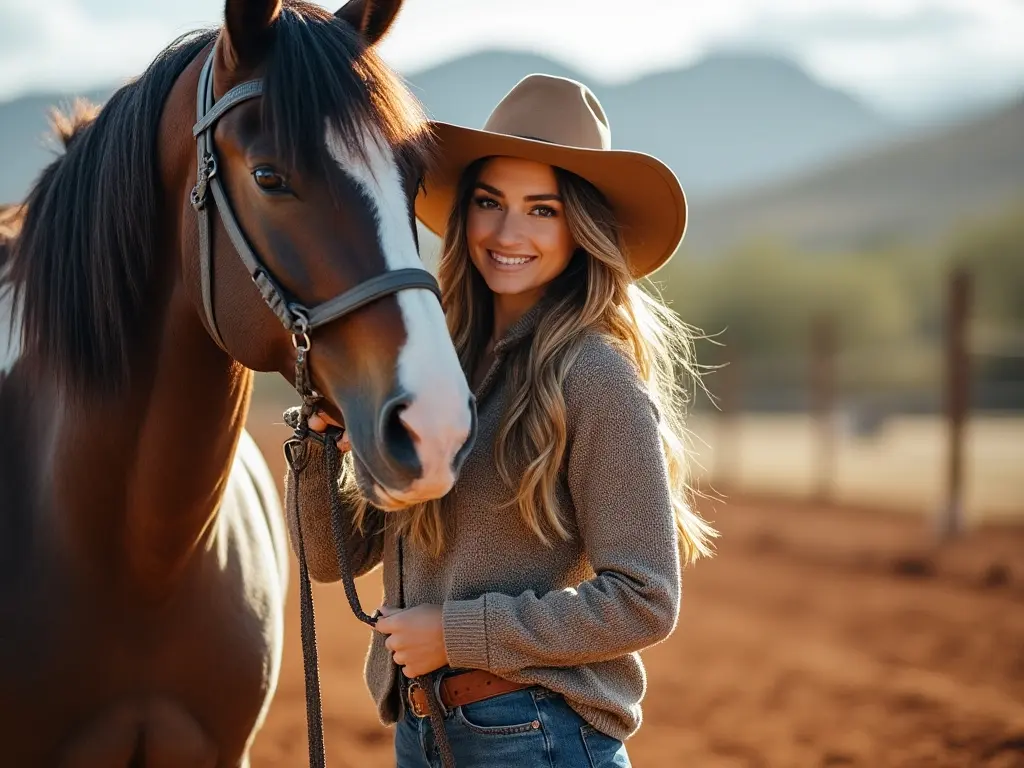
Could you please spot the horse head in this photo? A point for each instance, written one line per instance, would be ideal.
(316, 152)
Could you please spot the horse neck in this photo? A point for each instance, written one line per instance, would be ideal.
(144, 473)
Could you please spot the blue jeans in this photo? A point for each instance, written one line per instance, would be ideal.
(521, 729)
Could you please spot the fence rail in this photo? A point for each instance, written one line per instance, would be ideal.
(937, 427)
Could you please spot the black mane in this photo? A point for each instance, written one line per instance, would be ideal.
(83, 263)
(88, 244)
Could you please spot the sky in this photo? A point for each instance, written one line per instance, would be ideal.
(902, 56)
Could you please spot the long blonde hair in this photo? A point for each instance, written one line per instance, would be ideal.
(596, 292)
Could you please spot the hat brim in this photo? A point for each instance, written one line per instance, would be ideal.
(645, 195)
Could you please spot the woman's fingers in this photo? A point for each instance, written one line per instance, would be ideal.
(319, 421)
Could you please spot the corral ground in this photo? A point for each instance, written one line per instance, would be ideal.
(817, 637)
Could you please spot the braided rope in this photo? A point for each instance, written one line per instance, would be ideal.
(296, 452)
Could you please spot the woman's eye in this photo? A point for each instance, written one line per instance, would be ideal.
(545, 211)
(269, 180)
(486, 202)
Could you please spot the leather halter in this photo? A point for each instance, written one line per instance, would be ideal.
(297, 319)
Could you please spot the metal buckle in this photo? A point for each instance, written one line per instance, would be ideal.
(207, 170)
(413, 685)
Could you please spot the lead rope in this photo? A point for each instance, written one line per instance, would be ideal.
(297, 454)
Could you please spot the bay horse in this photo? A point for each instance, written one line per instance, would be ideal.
(143, 555)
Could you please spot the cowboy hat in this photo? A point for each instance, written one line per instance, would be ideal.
(558, 121)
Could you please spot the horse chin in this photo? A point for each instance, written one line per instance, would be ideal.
(388, 499)
(383, 499)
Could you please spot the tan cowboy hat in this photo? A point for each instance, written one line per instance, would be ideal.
(560, 122)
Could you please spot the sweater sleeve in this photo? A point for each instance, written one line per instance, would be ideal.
(617, 478)
(364, 548)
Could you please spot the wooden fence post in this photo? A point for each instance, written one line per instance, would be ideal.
(957, 400)
(727, 450)
(823, 403)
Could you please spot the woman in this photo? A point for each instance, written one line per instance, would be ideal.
(556, 557)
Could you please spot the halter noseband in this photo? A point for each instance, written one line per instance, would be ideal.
(297, 319)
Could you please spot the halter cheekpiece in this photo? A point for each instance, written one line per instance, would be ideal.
(298, 319)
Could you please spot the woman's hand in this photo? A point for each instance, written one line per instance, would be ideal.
(318, 423)
(415, 638)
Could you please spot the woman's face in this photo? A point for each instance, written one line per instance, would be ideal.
(516, 230)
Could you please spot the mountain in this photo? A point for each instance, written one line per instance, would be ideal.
(722, 124)
(464, 90)
(912, 190)
(26, 141)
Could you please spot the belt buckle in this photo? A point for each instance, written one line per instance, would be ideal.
(413, 686)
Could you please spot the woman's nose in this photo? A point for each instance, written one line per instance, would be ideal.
(512, 231)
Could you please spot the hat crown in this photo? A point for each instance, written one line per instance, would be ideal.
(557, 110)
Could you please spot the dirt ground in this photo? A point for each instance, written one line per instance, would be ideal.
(816, 637)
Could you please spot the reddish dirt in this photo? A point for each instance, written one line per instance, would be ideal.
(816, 637)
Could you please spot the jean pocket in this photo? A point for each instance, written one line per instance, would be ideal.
(604, 751)
(504, 715)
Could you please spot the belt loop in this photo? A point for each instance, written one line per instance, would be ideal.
(438, 679)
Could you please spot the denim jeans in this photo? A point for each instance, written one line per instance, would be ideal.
(521, 729)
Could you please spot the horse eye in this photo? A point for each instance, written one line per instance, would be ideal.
(269, 180)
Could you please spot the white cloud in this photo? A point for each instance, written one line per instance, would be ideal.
(898, 53)
(64, 48)
(929, 63)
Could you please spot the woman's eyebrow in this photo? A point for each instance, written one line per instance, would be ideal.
(529, 198)
(488, 188)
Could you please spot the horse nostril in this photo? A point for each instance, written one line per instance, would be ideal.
(398, 439)
(409, 428)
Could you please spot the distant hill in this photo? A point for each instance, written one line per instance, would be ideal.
(722, 124)
(912, 190)
(26, 141)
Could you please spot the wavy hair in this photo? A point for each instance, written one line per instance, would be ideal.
(595, 293)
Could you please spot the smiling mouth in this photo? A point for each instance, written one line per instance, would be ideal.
(510, 260)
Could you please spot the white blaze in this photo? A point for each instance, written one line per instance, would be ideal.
(428, 368)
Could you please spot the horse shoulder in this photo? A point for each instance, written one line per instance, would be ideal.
(251, 469)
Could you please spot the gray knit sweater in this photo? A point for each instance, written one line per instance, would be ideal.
(571, 617)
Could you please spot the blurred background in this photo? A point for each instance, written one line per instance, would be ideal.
(855, 266)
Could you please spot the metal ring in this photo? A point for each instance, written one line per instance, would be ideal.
(301, 326)
(307, 342)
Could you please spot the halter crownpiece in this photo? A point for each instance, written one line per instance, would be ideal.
(297, 319)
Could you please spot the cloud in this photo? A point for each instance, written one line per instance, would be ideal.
(897, 53)
(923, 60)
(56, 45)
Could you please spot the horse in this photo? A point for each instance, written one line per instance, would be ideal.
(143, 553)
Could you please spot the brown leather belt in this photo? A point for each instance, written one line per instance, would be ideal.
(460, 689)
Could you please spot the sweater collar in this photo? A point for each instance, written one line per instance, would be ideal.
(521, 328)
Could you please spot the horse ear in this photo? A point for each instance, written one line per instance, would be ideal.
(371, 18)
(248, 26)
